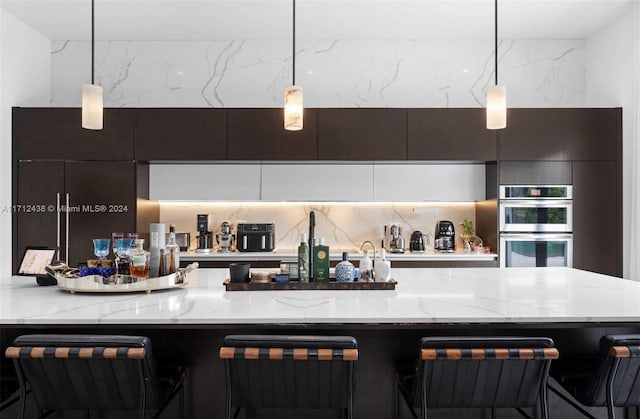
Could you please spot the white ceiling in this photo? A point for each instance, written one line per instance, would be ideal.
(316, 19)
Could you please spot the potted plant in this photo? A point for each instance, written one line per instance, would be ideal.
(469, 238)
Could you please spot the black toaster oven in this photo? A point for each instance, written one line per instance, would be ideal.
(255, 237)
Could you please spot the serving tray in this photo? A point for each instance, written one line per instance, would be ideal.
(303, 286)
(124, 283)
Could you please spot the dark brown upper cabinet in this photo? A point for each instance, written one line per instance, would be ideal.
(362, 134)
(561, 134)
(57, 134)
(450, 134)
(259, 134)
(181, 134)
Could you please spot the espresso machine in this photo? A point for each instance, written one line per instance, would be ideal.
(204, 234)
(393, 238)
(225, 239)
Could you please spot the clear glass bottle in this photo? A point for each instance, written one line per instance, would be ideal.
(344, 269)
(303, 259)
(172, 251)
(162, 266)
(139, 260)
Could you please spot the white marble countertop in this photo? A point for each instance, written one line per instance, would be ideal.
(354, 255)
(436, 295)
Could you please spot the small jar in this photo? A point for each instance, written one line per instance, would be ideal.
(365, 269)
(139, 266)
(344, 269)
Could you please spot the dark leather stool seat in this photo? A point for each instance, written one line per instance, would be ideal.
(612, 378)
(277, 371)
(472, 372)
(86, 372)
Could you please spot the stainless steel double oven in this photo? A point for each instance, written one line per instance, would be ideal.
(536, 225)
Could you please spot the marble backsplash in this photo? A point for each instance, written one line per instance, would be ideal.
(343, 225)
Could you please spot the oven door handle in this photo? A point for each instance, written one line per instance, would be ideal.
(536, 236)
(567, 188)
(535, 203)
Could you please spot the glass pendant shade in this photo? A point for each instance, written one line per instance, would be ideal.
(293, 108)
(92, 106)
(496, 107)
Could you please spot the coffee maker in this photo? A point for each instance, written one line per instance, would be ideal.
(417, 242)
(393, 238)
(204, 234)
(445, 240)
(225, 239)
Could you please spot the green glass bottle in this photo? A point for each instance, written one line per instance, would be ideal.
(321, 262)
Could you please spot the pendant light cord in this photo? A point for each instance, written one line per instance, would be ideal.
(495, 39)
(293, 53)
(92, 41)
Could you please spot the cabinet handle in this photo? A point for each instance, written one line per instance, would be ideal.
(58, 229)
(66, 237)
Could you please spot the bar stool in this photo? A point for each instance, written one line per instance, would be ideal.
(278, 371)
(8, 386)
(473, 372)
(610, 379)
(85, 372)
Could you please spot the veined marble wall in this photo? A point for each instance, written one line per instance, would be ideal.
(343, 225)
(344, 73)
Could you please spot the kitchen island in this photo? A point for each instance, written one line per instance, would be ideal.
(573, 307)
(424, 297)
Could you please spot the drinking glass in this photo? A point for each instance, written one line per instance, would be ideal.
(101, 248)
(114, 238)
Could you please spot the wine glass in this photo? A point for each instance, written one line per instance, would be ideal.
(123, 250)
(123, 247)
(133, 237)
(101, 249)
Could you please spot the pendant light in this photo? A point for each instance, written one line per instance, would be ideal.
(293, 108)
(496, 94)
(92, 106)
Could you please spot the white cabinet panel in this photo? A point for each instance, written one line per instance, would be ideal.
(317, 182)
(204, 182)
(429, 182)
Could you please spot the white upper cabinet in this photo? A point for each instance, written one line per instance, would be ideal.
(364, 182)
(200, 182)
(317, 182)
(428, 182)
